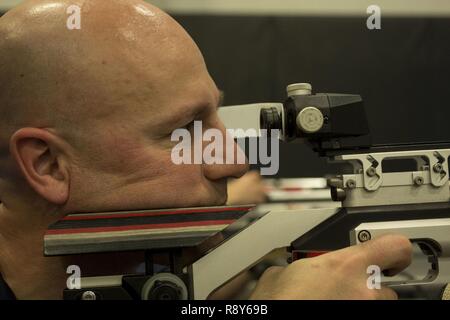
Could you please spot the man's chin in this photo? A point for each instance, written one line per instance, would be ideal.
(223, 202)
(219, 200)
(222, 198)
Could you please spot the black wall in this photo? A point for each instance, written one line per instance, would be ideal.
(402, 71)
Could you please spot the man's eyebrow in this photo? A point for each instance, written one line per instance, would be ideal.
(179, 118)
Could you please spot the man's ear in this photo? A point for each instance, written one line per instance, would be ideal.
(39, 155)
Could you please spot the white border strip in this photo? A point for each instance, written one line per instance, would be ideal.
(433, 8)
(305, 7)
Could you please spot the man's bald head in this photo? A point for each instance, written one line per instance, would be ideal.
(87, 114)
(51, 76)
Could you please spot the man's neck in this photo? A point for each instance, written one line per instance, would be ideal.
(27, 272)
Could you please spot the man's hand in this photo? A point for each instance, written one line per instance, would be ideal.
(248, 189)
(339, 274)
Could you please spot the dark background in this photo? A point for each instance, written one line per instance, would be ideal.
(402, 71)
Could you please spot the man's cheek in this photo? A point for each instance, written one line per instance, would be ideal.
(157, 164)
(118, 153)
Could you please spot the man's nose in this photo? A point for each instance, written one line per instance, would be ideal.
(229, 169)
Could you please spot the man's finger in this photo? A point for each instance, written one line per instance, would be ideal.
(389, 252)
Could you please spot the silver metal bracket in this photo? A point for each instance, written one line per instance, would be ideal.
(368, 185)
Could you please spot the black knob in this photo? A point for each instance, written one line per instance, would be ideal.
(165, 290)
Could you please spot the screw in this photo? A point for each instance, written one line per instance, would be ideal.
(418, 181)
(351, 184)
(364, 236)
(371, 172)
(88, 295)
(437, 168)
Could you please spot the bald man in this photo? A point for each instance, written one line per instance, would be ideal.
(86, 117)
